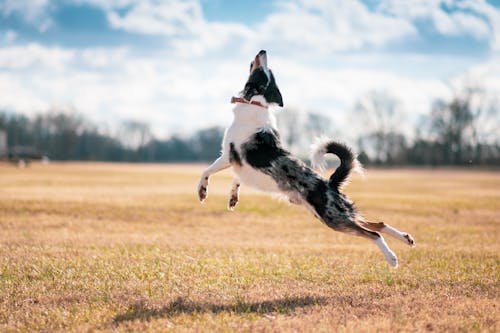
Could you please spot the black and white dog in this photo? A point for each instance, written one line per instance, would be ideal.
(252, 147)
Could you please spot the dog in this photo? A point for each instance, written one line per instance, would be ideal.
(252, 147)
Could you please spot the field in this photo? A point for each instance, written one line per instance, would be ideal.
(122, 247)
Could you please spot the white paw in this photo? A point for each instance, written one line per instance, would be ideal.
(202, 189)
(409, 240)
(391, 258)
(388, 254)
(233, 201)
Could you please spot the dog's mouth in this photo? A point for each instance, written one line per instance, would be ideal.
(259, 61)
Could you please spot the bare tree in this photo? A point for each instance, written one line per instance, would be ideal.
(381, 118)
(61, 129)
(134, 134)
(485, 126)
(289, 124)
(317, 124)
(466, 124)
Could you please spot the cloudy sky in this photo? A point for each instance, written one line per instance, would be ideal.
(175, 64)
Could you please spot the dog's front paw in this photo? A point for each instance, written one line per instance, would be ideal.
(202, 193)
(202, 189)
(233, 201)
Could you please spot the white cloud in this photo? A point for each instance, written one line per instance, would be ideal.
(103, 58)
(106, 4)
(319, 26)
(182, 21)
(308, 27)
(18, 96)
(215, 37)
(168, 18)
(33, 12)
(469, 24)
(476, 18)
(491, 13)
(33, 56)
(326, 26)
(485, 75)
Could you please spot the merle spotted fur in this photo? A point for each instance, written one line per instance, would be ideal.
(264, 152)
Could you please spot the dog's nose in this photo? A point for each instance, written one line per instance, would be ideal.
(262, 52)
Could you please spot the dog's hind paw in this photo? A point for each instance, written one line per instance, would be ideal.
(388, 254)
(391, 259)
(409, 239)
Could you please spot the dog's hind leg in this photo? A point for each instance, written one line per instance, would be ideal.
(388, 254)
(220, 164)
(354, 229)
(234, 194)
(385, 228)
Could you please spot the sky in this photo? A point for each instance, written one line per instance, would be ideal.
(175, 64)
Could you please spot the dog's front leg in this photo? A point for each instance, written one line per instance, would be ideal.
(234, 194)
(220, 164)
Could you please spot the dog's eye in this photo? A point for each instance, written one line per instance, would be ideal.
(251, 65)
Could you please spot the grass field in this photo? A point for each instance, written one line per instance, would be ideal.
(110, 247)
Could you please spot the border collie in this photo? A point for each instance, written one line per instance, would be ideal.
(252, 147)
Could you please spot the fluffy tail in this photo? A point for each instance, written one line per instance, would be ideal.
(348, 160)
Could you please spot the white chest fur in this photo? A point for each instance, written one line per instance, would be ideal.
(249, 119)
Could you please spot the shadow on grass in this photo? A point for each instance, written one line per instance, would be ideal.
(142, 312)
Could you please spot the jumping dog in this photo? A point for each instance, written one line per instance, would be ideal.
(252, 146)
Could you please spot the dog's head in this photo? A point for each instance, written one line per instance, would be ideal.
(261, 81)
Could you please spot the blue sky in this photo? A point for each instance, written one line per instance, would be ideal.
(175, 64)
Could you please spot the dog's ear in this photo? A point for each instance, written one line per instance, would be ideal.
(256, 84)
(275, 97)
(273, 94)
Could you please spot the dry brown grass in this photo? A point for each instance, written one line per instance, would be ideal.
(102, 247)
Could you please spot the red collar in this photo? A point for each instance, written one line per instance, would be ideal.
(244, 101)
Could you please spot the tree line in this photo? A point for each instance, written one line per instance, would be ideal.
(69, 136)
(464, 130)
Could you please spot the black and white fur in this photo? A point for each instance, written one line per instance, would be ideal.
(252, 147)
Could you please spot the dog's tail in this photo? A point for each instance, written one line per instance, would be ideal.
(348, 160)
